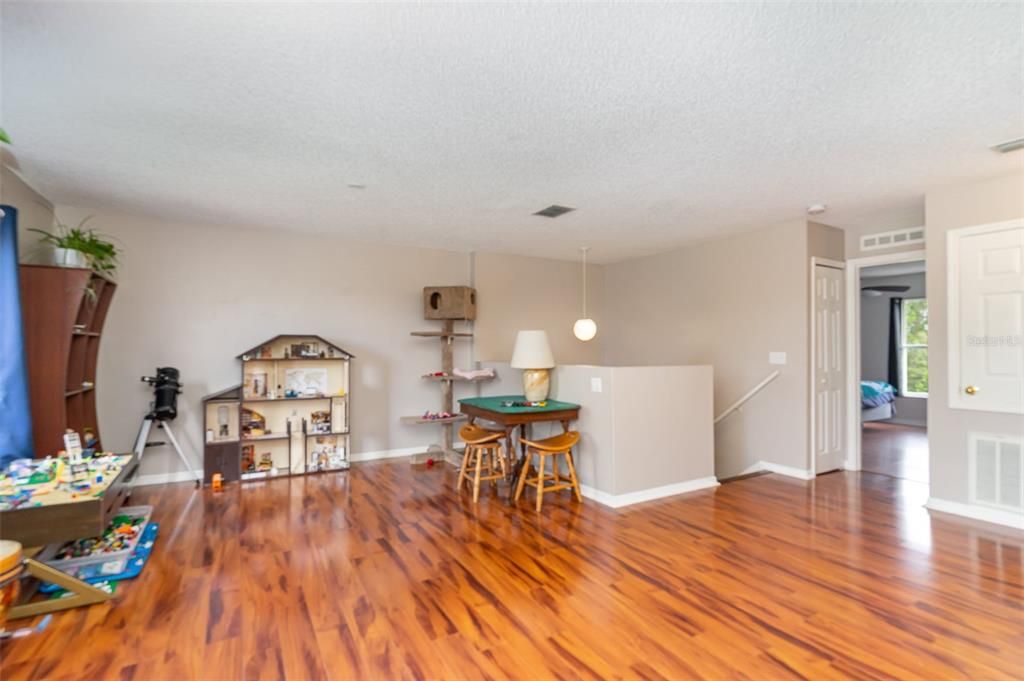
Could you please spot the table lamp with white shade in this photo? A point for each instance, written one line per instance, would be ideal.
(533, 354)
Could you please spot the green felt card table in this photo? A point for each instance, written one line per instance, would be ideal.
(509, 418)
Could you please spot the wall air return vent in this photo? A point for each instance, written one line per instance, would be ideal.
(554, 211)
(901, 237)
(996, 470)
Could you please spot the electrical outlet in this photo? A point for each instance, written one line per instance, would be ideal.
(776, 358)
(595, 384)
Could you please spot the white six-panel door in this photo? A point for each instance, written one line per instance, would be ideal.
(986, 317)
(829, 405)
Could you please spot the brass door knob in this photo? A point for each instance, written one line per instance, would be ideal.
(971, 389)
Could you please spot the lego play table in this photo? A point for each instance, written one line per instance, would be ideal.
(59, 516)
(509, 418)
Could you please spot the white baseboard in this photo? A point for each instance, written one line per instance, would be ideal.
(165, 478)
(975, 512)
(630, 498)
(385, 454)
(788, 471)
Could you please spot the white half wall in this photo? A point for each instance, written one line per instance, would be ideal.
(646, 432)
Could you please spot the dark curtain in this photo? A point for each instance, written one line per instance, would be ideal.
(15, 420)
(895, 333)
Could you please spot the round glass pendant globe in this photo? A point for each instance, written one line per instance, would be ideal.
(584, 329)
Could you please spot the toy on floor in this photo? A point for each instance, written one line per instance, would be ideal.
(114, 570)
(25, 631)
(217, 482)
(118, 536)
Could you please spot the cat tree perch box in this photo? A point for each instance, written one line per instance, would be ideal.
(449, 302)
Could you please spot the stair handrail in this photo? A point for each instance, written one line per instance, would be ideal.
(750, 393)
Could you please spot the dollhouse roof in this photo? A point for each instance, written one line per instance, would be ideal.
(338, 351)
(233, 393)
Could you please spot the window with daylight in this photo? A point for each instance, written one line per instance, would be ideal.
(914, 348)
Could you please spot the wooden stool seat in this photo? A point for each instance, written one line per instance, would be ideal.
(552, 447)
(485, 456)
(473, 434)
(555, 445)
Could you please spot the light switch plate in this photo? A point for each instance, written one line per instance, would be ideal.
(595, 384)
(776, 358)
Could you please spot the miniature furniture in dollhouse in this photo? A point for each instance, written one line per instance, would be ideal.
(63, 310)
(484, 459)
(447, 304)
(550, 448)
(289, 416)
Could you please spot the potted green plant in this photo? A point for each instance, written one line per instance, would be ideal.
(81, 247)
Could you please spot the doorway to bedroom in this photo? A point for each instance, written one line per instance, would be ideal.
(894, 370)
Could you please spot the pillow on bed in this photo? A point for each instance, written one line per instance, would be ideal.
(876, 393)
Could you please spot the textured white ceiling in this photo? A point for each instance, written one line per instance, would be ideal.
(662, 124)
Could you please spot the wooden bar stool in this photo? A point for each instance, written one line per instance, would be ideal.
(552, 447)
(484, 455)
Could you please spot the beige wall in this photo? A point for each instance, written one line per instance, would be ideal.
(515, 293)
(727, 303)
(947, 208)
(825, 241)
(662, 421)
(194, 296)
(34, 211)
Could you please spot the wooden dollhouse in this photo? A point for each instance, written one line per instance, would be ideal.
(288, 416)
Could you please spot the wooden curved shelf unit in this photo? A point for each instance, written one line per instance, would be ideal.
(63, 310)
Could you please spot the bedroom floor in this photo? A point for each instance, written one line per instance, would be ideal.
(896, 450)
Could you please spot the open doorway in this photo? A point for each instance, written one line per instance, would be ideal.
(893, 340)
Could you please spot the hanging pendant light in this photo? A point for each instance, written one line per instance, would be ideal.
(585, 328)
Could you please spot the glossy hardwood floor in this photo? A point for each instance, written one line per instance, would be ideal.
(896, 450)
(386, 573)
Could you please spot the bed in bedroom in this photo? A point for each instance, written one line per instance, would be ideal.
(878, 401)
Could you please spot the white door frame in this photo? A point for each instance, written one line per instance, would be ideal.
(853, 268)
(812, 432)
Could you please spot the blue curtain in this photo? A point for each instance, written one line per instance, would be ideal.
(15, 418)
(895, 340)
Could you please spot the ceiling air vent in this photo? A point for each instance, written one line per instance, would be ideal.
(554, 211)
(902, 237)
(1008, 146)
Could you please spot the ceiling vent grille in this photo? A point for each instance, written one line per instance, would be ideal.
(996, 471)
(901, 237)
(554, 211)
